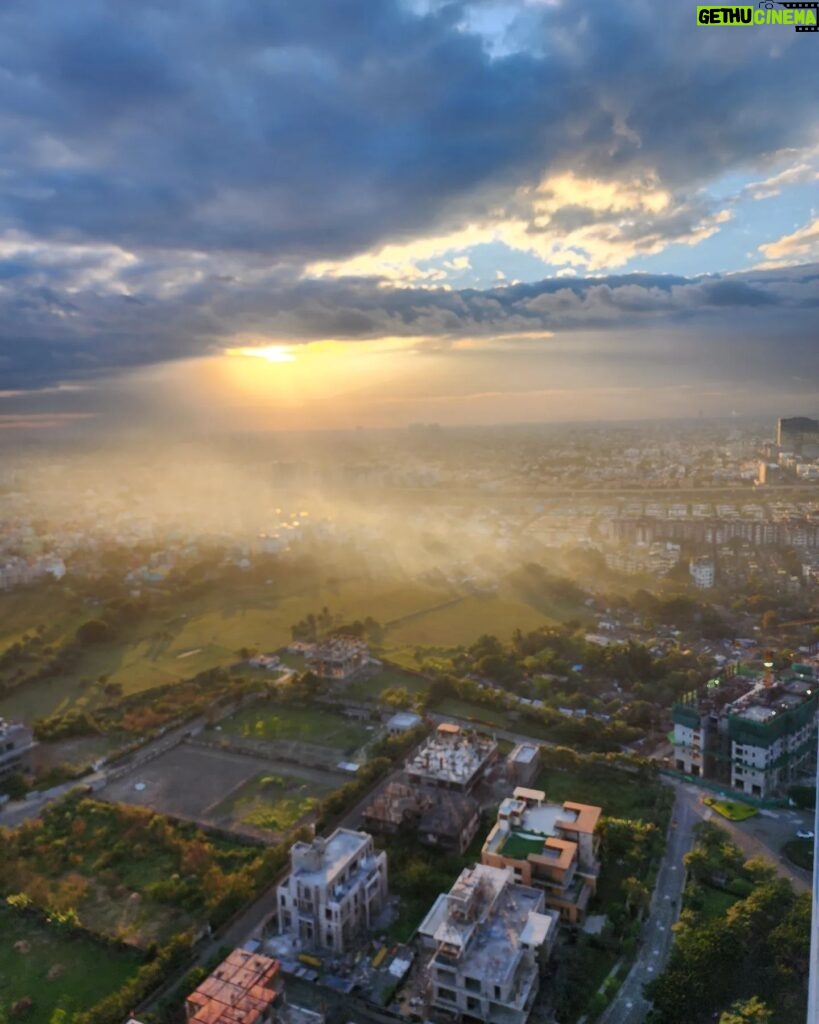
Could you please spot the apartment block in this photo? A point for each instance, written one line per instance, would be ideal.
(336, 889)
(754, 731)
(488, 939)
(551, 846)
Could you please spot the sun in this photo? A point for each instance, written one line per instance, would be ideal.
(270, 353)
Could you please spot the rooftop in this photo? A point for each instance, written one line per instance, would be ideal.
(486, 918)
(524, 753)
(239, 991)
(320, 862)
(451, 755)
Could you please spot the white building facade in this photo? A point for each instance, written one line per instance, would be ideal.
(336, 889)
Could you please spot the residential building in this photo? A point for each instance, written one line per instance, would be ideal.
(446, 819)
(244, 989)
(339, 658)
(403, 721)
(551, 846)
(452, 758)
(336, 889)
(523, 764)
(753, 731)
(703, 572)
(489, 938)
(16, 744)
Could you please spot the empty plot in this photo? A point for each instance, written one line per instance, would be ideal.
(184, 782)
(273, 722)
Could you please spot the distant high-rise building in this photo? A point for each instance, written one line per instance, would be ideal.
(794, 433)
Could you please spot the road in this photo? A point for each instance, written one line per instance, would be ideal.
(763, 835)
(630, 1005)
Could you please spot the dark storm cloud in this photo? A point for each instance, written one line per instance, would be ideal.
(320, 128)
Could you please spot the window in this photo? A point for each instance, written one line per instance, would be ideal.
(472, 984)
(447, 994)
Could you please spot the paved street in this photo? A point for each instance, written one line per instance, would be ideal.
(763, 835)
(630, 1006)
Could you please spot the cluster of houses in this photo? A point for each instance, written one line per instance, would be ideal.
(481, 949)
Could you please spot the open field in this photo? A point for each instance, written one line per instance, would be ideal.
(184, 782)
(487, 717)
(275, 800)
(464, 622)
(177, 639)
(180, 637)
(619, 794)
(306, 725)
(58, 969)
(223, 788)
(388, 679)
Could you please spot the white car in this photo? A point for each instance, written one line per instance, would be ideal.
(804, 833)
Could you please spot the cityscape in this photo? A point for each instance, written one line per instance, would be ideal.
(409, 513)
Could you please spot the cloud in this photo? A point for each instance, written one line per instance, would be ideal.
(797, 247)
(175, 176)
(324, 129)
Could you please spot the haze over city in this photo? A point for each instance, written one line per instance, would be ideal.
(409, 512)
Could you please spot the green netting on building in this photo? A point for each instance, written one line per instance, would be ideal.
(764, 734)
(684, 714)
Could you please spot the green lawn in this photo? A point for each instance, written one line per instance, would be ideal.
(306, 725)
(273, 802)
(58, 969)
(733, 810)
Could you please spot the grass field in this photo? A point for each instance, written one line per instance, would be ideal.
(620, 795)
(270, 801)
(179, 638)
(282, 722)
(489, 717)
(388, 679)
(58, 969)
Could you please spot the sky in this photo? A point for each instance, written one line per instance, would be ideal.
(229, 213)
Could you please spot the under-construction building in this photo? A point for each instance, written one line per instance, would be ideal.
(488, 938)
(754, 731)
(452, 758)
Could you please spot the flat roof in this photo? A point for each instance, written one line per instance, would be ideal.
(502, 917)
(524, 753)
(329, 855)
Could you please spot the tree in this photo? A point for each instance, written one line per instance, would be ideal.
(751, 1011)
(95, 631)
